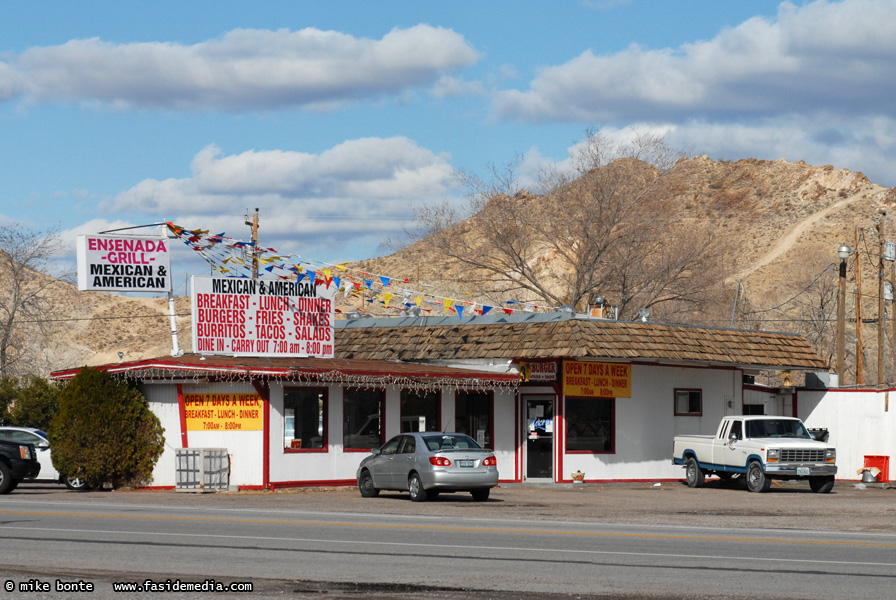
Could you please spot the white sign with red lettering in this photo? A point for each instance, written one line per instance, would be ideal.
(123, 263)
(261, 317)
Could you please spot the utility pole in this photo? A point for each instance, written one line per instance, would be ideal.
(254, 225)
(860, 348)
(881, 378)
(843, 253)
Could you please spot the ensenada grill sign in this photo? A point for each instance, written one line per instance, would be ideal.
(123, 263)
(258, 317)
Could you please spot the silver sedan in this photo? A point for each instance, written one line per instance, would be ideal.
(428, 463)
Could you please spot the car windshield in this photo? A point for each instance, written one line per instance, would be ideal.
(777, 428)
(446, 441)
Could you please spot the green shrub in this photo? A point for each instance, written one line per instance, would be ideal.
(9, 387)
(36, 403)
(104, 431)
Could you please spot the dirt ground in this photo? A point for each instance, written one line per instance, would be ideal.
(788, 505)
(851, 506)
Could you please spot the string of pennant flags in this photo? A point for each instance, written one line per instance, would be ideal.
(230, 257)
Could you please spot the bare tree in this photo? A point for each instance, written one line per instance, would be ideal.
(607, 226)
(25, 302)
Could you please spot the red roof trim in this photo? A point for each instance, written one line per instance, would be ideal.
(211, 368)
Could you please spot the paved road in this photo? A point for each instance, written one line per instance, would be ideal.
(524, 543)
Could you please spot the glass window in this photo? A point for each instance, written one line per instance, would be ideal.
(777, 428)
(689, 402)
(21, 437)
(304, 418)
(737, 430)
(590, 424)
(473, 416)
(419, 411)
(391, 447)
(444, 441)
(362, 419)
(408, 445)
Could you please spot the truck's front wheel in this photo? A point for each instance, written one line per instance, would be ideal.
(822, 485)
(756, 479)
(694, 473)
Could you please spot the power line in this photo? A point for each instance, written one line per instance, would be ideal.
(158, 316)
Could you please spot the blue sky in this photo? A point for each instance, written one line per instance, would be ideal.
(337, 119)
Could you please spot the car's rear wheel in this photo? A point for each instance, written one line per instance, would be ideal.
(7, 483)
(75, 483)
(415, 488)
(480, 495)
(365, 485)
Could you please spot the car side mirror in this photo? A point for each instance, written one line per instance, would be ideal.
(375, 451)
(732, 437)
(43, 445)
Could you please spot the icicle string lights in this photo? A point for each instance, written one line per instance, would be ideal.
(240, 374)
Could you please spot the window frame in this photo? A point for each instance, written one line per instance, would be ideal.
(675, 393)
(325, 445)
(566, 421)
(382, 411)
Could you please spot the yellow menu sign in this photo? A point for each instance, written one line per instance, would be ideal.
(597, 380)
(223, 412)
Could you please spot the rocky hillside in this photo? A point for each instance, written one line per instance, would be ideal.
(779, 223)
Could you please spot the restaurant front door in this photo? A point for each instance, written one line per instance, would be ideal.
(539, 432)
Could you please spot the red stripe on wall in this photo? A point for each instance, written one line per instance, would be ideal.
(264, 390)
(183, 416)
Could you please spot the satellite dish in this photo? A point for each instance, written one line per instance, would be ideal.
(644, 312)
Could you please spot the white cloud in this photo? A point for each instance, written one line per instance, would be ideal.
(11, 82)
(362, 188)
(823, 56)
(244, 69)
(860, 144)
(448, 87)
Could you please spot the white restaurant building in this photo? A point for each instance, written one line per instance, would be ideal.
(551, 394)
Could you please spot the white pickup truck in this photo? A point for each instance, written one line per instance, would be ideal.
(758, 448)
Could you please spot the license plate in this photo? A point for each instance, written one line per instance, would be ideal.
(465, 463)
(802, 470)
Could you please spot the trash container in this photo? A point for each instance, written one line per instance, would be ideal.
(883, 465)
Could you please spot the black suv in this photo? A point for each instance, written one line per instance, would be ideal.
(17, 462)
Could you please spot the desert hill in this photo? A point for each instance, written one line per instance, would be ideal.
(777, 224)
